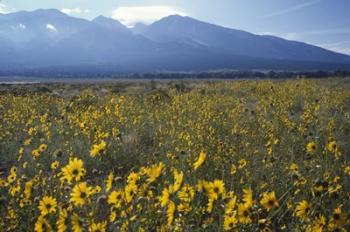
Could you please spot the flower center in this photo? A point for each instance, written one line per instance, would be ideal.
(336, 216)
(245, 213)
(75, 172)
(270, 202)
(83, 195)
(307, 210)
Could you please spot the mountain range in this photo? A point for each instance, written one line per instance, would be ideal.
(51, 40)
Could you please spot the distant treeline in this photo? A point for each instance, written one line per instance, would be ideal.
(224, 74)
(240, 75)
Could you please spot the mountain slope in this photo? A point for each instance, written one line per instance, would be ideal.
(111, 24)
(217, 38)
(139, 28)
(46, 26)
(49, 39)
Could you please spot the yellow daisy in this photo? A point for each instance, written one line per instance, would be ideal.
(200, 160)
(269, 201)
(73, 171)
(244, 214)
(47, 205)
(164, 198)
(170, 212)
(98, 227)
(42, 225)
(77, 224)
(248, 197)
(230, 222)
(80, 194)
(332, 146)
(130, 192)
(154, 172)
(311, 148)
(302, 210)
(186, 193)
(62, 221)
(115, 198)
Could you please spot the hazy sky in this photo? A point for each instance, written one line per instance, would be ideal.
(321, 22)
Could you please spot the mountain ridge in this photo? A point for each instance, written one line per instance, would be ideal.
(50, 38)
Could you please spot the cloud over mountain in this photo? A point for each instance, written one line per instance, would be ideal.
(145, 14)
(74, 11)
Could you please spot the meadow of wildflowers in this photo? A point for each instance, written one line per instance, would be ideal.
(196, 156)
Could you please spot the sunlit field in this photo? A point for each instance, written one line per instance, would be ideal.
(176, 156)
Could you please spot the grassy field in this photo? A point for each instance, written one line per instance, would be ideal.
(176, 156)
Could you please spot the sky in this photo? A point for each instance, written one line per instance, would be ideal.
(325, 23)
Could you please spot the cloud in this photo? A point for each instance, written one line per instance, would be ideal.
(331, 31)
(3, 8)
(74, 11)
(292, 36)
(342, 47)
(291, 9)
(145, 14)
(268, 33)
(302, 34)
(288, 36)
(51, 27)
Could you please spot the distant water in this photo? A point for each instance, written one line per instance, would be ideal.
(18, 82)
